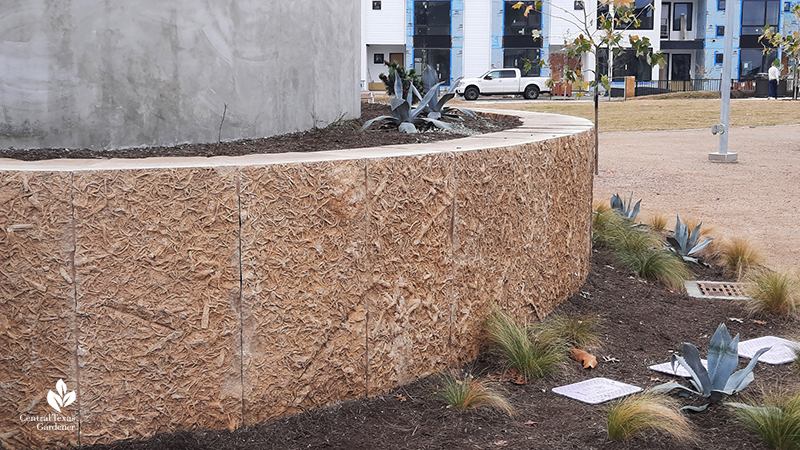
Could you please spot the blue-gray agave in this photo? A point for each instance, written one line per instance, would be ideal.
(435, 108)
(685, 243)
(719, 381)
(404, 116)
(624, 210)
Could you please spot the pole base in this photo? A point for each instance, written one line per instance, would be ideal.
(723, 157)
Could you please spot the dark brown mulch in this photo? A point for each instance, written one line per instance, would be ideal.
(641, 324)
(340, 135)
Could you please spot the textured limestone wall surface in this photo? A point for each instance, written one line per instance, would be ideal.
(120, 73)
(215, 297)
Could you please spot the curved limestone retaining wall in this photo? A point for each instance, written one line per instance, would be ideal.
(220, 292)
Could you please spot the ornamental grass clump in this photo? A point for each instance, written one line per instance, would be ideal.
(532, 359)
(633, 415)
(774, 417)
(575, 332)
(772, 292)
(739, 255)
(657, 223)
(657, 265)
(465, 392)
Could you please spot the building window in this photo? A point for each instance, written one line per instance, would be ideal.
(721, 5)
(718, 58)
(627, 64)
(603, 14)
(521, 18)
(720, 30)
(578, 6)
(432, 40)
(642, 10)
(377, 58)
(376, 5)
(678, 10)
(756, 14)
(754, 61)
(517, 57)
(787, 7)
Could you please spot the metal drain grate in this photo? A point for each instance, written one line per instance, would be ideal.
(717, 289)
(722, 290)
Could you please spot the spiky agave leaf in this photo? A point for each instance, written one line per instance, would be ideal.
(723, 357)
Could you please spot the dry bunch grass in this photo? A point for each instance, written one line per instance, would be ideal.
(465, 392)
(576, 332)
(739, 256)
(647, 411)
(773, 292)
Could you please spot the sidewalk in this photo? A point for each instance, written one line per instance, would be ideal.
(757, 198)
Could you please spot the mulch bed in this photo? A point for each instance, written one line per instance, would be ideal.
(641, 324)
(339, 135)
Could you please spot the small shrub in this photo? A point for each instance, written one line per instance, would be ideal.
(657, 265)
(775, 418)
(627, 417)
(465, 392)
(658, 222)
(739, 255)
(532, 359)
(772, 292)
(577, 332)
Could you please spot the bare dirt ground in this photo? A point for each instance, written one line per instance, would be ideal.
(757, 198)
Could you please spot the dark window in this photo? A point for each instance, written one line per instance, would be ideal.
(678, 10)
(627, 64)
(516, 58)
(721, 5)
(376, 4)
(718, 58)
(756, 14)
(787, 6)
(754, 61)
(432, 18)
(438, 58)
(603, 14)
(522, 20)
(642, 10)
(681, 68)
(720, 30)
(378, 58)
(665, 20)
(578, 5)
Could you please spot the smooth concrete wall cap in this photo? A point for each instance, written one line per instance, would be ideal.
(535, 127)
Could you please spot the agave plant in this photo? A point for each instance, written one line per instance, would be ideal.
(623, 209)
(435, 108)
(685, 241)
(719, 381)
(405, 118)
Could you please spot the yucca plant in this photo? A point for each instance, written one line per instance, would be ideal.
(465, 392)
(627, 211)
(403, 116)
(532, 359)
(576, 332)
(657, 265)
(718, 381)
(647, 411)
(436, 109)
(684, 243)
(775, 418)
(772, 292)
(739, 255)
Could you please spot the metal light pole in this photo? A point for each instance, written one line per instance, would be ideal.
(723, 129)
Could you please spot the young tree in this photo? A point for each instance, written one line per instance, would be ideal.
(595, 33)
(789, 43)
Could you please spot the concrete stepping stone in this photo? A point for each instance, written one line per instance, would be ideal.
(596, 390)
(679, 370)
(782, 351)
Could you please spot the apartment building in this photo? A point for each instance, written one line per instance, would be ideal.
(469, 37)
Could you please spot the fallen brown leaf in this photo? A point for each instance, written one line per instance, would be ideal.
(760, 322)
(588, 360)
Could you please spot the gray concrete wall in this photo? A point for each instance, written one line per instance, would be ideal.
(118, 73)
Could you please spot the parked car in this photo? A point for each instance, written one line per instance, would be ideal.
(502, 82)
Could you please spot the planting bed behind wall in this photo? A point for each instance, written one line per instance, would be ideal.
(220, 292)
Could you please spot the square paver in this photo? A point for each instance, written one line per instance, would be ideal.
(679, 370)
(782, 351)
(596, 390)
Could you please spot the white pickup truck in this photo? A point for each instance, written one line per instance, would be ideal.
(502, 82)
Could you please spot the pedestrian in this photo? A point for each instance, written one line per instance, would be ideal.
(774, 74)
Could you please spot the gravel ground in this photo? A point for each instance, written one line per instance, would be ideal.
(757, 198)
